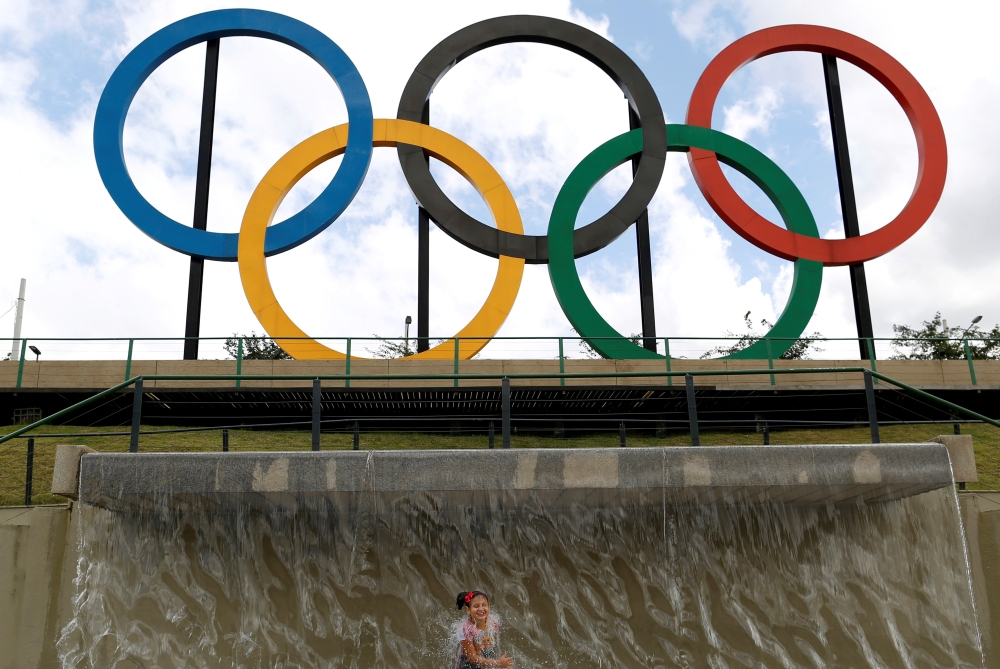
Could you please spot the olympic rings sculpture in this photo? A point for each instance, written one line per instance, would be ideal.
(798, 240)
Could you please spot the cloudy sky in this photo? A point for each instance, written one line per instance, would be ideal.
(534, 111)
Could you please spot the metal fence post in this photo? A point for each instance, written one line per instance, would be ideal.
(128, 360)
(972, 367)
(133, 445)
(491, 434)
(317, 408)
(562, 363)
(357, 436)
(621, 435)
(239, 360)
(505, 412)
(770, 357)
(871, 356)
(692, 410)
(767, 434)
(666, 349)
(872, 414)
(31, 465)
(456, 361)
(347, 367)
(20, 363)
(225, 441)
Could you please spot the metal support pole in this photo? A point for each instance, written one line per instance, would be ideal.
(767, 435)
(770, 358)
(456, 362)
(133, 445)
(848, 204)
(196, 276)
(347, 364)
(18, 317)
(692, 410)
(128, 361)
(424, 260)
(20, 363)
(972, 367)
(562, 363)
(872, 414)
(239, 360)
(357, 436)
(225, 441)
(317, 409)
(505, 412)
(621, 435)
(31, 466)
(645, 259)
(492, 439)
(666, 354)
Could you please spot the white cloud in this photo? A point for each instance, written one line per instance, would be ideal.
(747, 116)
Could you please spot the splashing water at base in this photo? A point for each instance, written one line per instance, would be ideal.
(607, 578)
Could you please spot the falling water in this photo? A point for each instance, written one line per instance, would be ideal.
(608, 578)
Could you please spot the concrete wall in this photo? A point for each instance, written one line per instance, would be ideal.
(100, 374)
(38, 564)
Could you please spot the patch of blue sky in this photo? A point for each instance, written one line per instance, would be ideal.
(73, 57)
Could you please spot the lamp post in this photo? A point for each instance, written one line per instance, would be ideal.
(34, 349)
(406, 332)
(974, 321)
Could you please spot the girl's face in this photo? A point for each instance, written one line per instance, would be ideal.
(479, 608)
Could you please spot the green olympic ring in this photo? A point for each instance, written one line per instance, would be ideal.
(737, 154)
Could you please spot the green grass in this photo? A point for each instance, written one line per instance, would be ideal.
(986, 440)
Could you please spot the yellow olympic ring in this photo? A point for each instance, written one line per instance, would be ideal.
(330, 143)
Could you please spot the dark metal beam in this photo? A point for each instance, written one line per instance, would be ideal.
(848, 203)
(192, 328)
(424, 261)
(645, 259)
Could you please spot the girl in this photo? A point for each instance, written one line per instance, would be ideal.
(479, 635)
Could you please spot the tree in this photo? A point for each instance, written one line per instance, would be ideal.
(392, 349)
(797, 351)
(255, 348)
(934, 341)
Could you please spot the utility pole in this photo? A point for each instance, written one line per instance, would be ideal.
(15, 349)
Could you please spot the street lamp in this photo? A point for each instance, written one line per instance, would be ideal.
(974, 321)
(34, 349)
(406, 335)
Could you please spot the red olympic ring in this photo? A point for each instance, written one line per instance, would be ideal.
(932, 151)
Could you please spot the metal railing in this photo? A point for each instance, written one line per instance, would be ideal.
(537, 348)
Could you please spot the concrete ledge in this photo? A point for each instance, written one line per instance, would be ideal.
(963, 456)
(805, 474)
(66, 472)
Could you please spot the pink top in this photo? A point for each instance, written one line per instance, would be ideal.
(469, 632)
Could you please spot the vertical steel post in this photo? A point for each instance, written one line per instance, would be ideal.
(621, 435)
(196, 276)
(347, 365)
(456, 362)
(18, 317)
(646, 307)
(872, 413)
(357, 436)
(848, 203)
(225, 441)
(666, 353)
(31, 466)
(767, 435)
(562, 363)
(692, 410)
(505, 412)
(128, 361)
(20, 363)
(133, 445)
(491, 435)
(239, 360)
(317, 407)
(424, 259)
(968, 356)
(770, 357)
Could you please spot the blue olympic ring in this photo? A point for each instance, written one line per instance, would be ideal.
(158, 47)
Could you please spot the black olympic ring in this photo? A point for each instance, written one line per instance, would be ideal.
(613, 61)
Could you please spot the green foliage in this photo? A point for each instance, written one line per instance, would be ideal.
(392, 349)
(255, 348)
(592, 353)
(932, 341)
(797, 351)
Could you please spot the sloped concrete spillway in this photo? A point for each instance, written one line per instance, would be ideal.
(835, 556)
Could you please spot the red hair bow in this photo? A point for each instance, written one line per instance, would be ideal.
(468, 597)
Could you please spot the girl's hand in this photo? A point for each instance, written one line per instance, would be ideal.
(505, 662)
